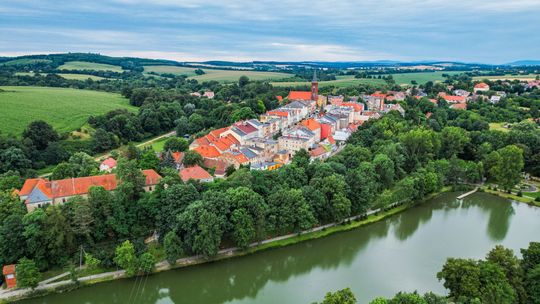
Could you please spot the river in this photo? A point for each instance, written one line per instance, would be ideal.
(402, 252)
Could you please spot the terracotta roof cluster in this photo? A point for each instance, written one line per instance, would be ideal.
(301, 95)
(195, 172)
(80, 185)
(311, 124)
(378, 95)
(453, 98)
(212, 144)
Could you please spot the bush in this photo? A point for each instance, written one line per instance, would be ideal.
(537, 199)
(520, 194)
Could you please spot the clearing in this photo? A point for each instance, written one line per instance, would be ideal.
(84, 65)
(65, 109)
(169, 69)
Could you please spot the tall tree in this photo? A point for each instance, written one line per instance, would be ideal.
(508, 169)
(41, 134)
(27, 273)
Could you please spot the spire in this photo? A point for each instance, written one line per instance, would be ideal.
(314, 76)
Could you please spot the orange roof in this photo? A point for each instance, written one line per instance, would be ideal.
(331, 140)
(358, 107)
(29, 185)
(459, 106)
(207, 151)
(317, 151)
(311, 124)
(241, 158)
(109, 162)
(279, 98)
(379, 95)
(299, 95)
(195, 172)
(178, 156)
(217, 133)
(278, 113)
(8, 269)
(202, 141)
(481, 85)
(233, 139)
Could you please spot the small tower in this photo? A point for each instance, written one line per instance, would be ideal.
(314, 87)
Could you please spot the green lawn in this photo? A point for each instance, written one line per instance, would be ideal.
(25, 61)
(65, 109)
(167, 69)
(498, 126)
(83, 65)
(233, 75)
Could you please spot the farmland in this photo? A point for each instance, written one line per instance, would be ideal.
(168, 69)
(65, 109)
(79, 76)
(83, 65)
(422, 77)
(25, 61)
(340, 82)
(233, 75)
(527, 77)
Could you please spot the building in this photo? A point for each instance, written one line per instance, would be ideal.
(9, 272)
(375, 101)
(453, 98)
(107, 165)
(196, 173)
(481, 87)
(266, 166)
(313, 95)
(314, 126)
(39, 192)
(209, 94)
(296, 140)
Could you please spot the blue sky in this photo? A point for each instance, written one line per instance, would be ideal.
(488, 31)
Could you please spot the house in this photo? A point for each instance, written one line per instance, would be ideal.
(394, 107)
(341, 136)
(266, 166)
(495, 99)
(453, 98)
(460, 92)
(296, 139)
(209, 94)
(196, 173)
(107, 165)
(459, 106)
(40, 192)
(208, 151)
(196, 94)
(178, 158)
(319, 153)
(9, 272)
(481, 87)
(314, 126)
(375, 101)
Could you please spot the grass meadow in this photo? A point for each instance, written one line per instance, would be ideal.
(83, 65)
(65, 109)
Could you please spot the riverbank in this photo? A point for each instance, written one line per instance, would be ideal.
(281, 241)
(522, 199)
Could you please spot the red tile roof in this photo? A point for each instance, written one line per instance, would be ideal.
(29, 185)
(378, 95)
(452, 98)
(311, 124)
(10, 270)
(278, 113)
(207, 151)
(302, 95)
(459, 106)
(195, 172)
(178, 157)
(217, 133)
(317, 151)
(481, 85)
(279, 98)
(109, 162)
(245, 127)
(358, 107)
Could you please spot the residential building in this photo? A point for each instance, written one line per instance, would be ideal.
(39, 192)
(196, 173)
(481, 87)
(107, 165)
(9, 272)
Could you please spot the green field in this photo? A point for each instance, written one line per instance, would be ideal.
(422, 77)
(79, 76)
(25, 61)
(83, 65)
(65, 109)
(340, 82)
(233, 75)
(168, 69)
(527, 77)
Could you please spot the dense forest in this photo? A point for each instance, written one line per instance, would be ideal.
(499, 278)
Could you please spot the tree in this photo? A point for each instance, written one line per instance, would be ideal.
(104, 141)
(28, 275)
(192, 158)
(510, 264)
(125, 257)
(344, 296)
(532, 284)
(173, 247)
(453, 140)
(91, 262)
(10, 180)
(301, 158)
(167, 160)
(243, 81)
(41, 134)
(202, 229)
(174, 200)
(132, 180)
(149, 160)
(243, 231)
(176, 144)
(384, 167)
(288, 210)
(147, 262)
(508, 169)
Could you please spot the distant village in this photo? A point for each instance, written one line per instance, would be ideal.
(318, 124)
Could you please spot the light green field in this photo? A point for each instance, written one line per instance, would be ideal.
(79, 76)
(167, 69)
(422, 77)
(340, 82)
(498, 126)
(25, 61)
(216, 75)
(233, 75)
(25, 74)
(83, 65)
(65, 109)
(527, 77)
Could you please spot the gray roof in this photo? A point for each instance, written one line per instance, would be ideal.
(248, 153)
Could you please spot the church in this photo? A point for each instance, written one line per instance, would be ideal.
(312, 95)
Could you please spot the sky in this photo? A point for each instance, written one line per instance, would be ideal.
(488, 31)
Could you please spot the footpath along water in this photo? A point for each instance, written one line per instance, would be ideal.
(402, 252)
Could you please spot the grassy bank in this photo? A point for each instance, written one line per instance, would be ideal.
(521, 199)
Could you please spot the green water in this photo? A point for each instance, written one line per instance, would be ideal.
(403, 252)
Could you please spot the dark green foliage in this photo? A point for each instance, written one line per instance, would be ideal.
(344, 296)
(27, 274)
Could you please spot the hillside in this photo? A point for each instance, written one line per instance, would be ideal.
(65, 109)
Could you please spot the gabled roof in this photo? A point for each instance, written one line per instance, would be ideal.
(245, 127)
(378, 95)
(152, 177)
(29, 185)
(299, 95)
(109, 162)
(452, 98)
(217, 133)
(207, 151)
(481, 85)
(278, 113)
(195, 172)
(311, 124)
(178, 157)
(248, 153)
(320, 150)
(459, 106)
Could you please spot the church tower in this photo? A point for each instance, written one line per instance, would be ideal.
(314, 87)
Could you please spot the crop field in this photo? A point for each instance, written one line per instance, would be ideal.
(340, 82)
(528, 77)
(167, 69)
(24, 61)
(65, 109)
(79, 76)
(233, 75)
(83, 65)
(422, 77)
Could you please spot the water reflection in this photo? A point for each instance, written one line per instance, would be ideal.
(499, 212)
